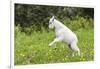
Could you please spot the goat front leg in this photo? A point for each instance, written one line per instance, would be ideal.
(53, 43)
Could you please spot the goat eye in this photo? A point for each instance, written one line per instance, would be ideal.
(50, 22)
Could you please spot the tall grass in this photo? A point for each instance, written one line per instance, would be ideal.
(33, 48)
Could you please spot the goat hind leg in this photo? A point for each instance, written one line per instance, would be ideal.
(75, 48)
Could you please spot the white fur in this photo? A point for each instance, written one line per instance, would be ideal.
(64, 34)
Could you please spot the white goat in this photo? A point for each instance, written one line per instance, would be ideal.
(64, 34)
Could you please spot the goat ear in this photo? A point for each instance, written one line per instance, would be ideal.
(53, 17)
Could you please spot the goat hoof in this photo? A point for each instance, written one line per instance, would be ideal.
(49, 44)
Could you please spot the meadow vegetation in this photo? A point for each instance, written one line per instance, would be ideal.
(32, 48)
(32, 35)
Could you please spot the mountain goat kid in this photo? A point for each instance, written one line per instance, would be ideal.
(64, 34)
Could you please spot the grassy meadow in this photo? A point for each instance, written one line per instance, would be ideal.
(32, 35)
(33, 48)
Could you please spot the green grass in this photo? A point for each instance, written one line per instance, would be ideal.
(34, 49)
